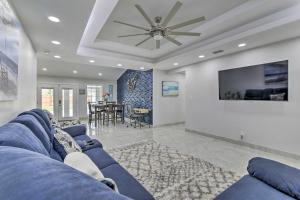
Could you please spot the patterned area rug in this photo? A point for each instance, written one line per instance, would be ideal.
(170, 175)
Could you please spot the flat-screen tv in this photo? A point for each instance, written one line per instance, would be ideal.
(264, 82)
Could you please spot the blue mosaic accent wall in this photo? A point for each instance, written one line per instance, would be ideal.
(141, 96)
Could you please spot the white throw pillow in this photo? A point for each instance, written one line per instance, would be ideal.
(83, 163)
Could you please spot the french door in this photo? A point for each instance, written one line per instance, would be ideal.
(60, 100)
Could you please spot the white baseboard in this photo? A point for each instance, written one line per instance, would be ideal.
(242, 143)
(169, 124)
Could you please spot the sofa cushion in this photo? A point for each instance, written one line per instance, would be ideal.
(18, 135)
(33, 124)
(76, 130)
(29, 175)
(43, 115)
(126, 183)
(55, 155)
(82, 138)
(42, 122)
(277, 175)
(249, 188)
(100, 157)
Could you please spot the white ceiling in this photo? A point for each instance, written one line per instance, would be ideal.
(126, 12)
(87, 31)
(65, 69)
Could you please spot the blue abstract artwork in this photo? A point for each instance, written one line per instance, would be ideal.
(9, 52)
(170, 88)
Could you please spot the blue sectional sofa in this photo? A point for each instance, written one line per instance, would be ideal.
(267, 180)
(32, 168)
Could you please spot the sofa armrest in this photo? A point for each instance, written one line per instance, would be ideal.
(280, 176)
(76, 130)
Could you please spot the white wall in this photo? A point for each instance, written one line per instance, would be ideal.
(82, 84)
(26, 99)
(270, 124)
(168, 110)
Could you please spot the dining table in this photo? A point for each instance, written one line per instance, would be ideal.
(100, 107)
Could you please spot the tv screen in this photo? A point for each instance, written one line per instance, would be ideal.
(265, 82)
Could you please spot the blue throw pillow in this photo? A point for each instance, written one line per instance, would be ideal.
(280, 176)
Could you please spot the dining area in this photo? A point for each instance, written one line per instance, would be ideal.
(105, 113)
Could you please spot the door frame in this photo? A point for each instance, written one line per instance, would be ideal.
(39, 96)
(57, 97)
(75, 101)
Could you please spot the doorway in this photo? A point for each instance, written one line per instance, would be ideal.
(59, 99)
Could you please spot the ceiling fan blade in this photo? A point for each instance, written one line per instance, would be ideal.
(184, 33)
(173, 40)
(144, 14)
(157, 44)
(121, 36)
(138, 44)
(134, 26)
(193, 21)
(172, 13)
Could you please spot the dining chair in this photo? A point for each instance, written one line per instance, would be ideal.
(132, 116)
(109, 114)
(91, 112)
(119, 112)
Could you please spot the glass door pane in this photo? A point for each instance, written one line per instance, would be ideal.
(67, 103)
(47, 99)
(94, 94)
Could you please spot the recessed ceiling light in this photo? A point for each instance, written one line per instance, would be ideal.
(176, 64)
(142, 68)
(75, 72)
(54, 19)
(91, 61)
(201, 56)
(55, 42)
(45, 69)
(57, 56)
(46, 52)
(100, 74)
(242, 45)
(119, 65)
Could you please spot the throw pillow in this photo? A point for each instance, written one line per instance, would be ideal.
(83, 163)
(65, 143)
(277, 97)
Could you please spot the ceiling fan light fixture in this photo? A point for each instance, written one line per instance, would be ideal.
(158, 35)
(159, 28)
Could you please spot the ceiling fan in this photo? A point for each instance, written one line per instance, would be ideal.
(160, 29)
